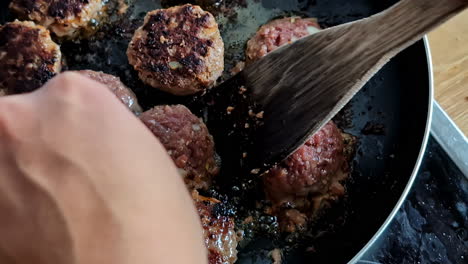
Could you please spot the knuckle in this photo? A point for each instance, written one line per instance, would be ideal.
(65, 85)
(12, 115)
(75, 88)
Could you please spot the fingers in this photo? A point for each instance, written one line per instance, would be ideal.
(19, 113)
(76, 88)
(66, 87)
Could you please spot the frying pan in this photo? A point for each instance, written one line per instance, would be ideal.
(389, 116)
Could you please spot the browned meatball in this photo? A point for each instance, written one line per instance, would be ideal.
(277, 33)
(218, 231)
(225, 8)
(187, 140)
(125, 95)
(66, 18)
(178, 50)
(28, 57)
(309, 177)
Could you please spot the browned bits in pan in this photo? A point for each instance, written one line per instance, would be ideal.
(178, 50)
(28, 57)
(218, 231)
(242, 90)
(65, 18)
(230, 109)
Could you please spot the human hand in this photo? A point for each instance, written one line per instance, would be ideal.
(83, 181)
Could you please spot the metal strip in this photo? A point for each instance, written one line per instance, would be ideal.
(422, 151)
(450, 137)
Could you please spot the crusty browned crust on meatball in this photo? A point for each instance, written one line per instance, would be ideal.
(226, 8)
(65, 18)
(125, 94)
(218, 231)
(178, 50)
(187, 140)
(277, 33)
(310, 178)
(28, 57)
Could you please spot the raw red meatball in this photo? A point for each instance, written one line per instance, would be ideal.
(310, 176)
(277, 33)
(187, 140)
(308, 170)
(125, 95)
(218, 231)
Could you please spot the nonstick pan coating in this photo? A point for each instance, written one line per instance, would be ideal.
(388, 116)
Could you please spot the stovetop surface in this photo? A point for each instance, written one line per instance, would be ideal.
(431, 226)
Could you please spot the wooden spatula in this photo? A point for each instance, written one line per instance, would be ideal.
(274, 105)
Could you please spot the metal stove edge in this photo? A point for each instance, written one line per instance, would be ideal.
(450, 137)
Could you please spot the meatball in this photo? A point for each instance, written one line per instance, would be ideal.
(65, 18)
(309, 170)
(188, 142)
(125, 95)
(226, 8)
(310, 177)
(278, 33)
(178, 50)
(218, 231)
(28, 57)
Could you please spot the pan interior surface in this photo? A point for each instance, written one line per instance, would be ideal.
(388, 116)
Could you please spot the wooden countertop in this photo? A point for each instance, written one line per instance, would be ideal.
(449, 46)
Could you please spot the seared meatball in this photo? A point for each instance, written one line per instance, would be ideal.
(28, 57)
(125, 95)
(65, 18)
(309, 177)
(187, 140)
(278, 33)
(178, 50)
(218, 231)
(226, 8)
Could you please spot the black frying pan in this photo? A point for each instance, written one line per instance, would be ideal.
(389, 117)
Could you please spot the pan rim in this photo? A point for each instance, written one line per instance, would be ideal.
(417, 165)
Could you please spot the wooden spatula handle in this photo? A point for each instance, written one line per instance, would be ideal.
(302, 86)
(409, 20)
